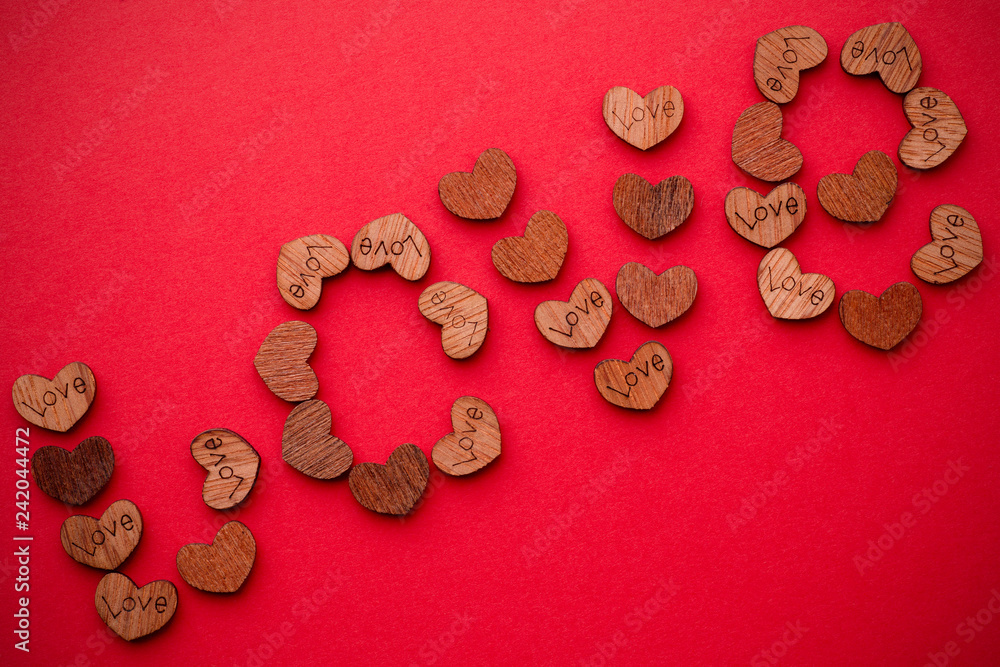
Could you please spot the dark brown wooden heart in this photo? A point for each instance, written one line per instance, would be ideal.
(538, 255)
(393, 488)
(864, 194)
(484, 193)
(307, 446)
(758, 148)
(281, 361)
(881, 321)
(76, 476)
(656, 299)
(653, 210)
(223, 565)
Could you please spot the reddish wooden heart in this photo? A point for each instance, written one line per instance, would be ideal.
(393, 488)
(643, 121)
(886, 48)
(579, 322)
(134, 612)
(639, 383)
(474, 443)
(223, 565)
(758, 148)
(232, 465)
(656, 299)
(653, 210)
(393, 240)
(307, 446)
(882, 321)
(768, 220)
(538, 255)
(864, 194)
(484, 193)
(74, 477)
(56, 404)
(281, 361)
(463, 314)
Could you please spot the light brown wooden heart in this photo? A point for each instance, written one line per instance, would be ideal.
(74, 477)
(957, 247)
(938, 128)
(474, 443)
(790, 294)
(392, 240)
(882, 321)
(103, 543)
(308, 446)
(781, 55)
(56, 404)
(758, 148)
(656, 299)
(643, 121)
(223, 565)
(538, 255)
(886, 48)
(579, 322)
(653, 210)
(462, 313)
(281, 361)
(766, 220)
(302, 265)
(232, 465)
(639, 383)
(864, 194)
(393, 488)
(134, 612)
(483, 194)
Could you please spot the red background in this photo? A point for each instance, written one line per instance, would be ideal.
(213, 133)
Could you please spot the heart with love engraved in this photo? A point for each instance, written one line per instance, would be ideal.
(581, 321)
(393, 488)
(643, 121)
(886, 48)
(653, 210)
(881, 321)
(766, 220)
(232, 465)
(463, 314)
(302, 265)
(474, 443)
(538, 255)
(59, 403)
(864, 194)
(74, 477)
(758, 148)
(483, 194)
(134, 612)
(957, 247)
(938, 128)
(780, 56)
(308, 446)
(639, 383)
(223, 565)
(788, 293)
(393, 240)
(103, 543)
(281, 361)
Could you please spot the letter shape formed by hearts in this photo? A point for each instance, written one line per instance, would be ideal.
(790, 294)
(223, 565)
(639, 383)
(643, 121)
(957, 247)
(103, 543)
(474, 443)
(307, 446)
(537, 256)
(768, 220)
(758, 148)
(938, 128)
(134, 612)
(886, 48)
(483, 194)
(393, 488)
(392, 240)
(74, 477)
(281, 361)
(656, 299)
(861, 196)
(232, 465)
(581, 321)
(58, 403)
(653, 210)
(302, 265)
(462, 313)
(882, 321)
(781, 55)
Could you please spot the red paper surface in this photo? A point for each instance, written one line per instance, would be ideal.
(156, 156)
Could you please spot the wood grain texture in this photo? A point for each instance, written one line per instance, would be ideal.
(653, 210)
(643, 121)
(758, 148)
(302, 265)
(766, 220)
(790, 294)
(462, 313)
(957, 247)
(56, 404)
(73, 477)
(863, 195)
(484, 193)
(637, 384)
(223, 565)
(393, 488)
(134, 612)
(781, 55)
(579, 322)
(392, 240)
(938, 128)
(474, 443)
(656, 299)
(232, 465)
(308, 446)
(882, 321)
(886, 48)
(103, 543)
(537, 256)
(281, 361)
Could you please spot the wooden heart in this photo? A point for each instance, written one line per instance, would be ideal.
(134, 612)
(938, 128)
(74, 477)
(392, 240)
(538, 255)
(861, 196)
(653, 210)
(223, 565)
(758, 148)
(886, 48)
(462, 313)
(781, 55)
(58, 403)
(882, 321)
(579, 322)
(232, 465)
(281, 361)
(656, 299)
(643, 121)
(639, 383)
(393, 488)
(768, 220)
(788, 293)
(302, 265)
(103, 543)
(307, 446)
(474, 443)
(484, 193)
(957, 247)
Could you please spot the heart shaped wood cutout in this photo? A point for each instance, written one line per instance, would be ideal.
(302, 265)
(639, 383)
(281, 361)
(758, 148)
(462, 313)
(474, 443)
(393, 488)
(56, 404)
(103, 543)
(223, 565)
(579, 322)
(653, 210)
(781, 55)
(957, 247)
(232, 466)
(74, 477)
(788, 293)
(882, 321)
(483, 194)
(643, 121)
(938, 128)
(886, 48)
(861, 196)
(392, 240)
(768, 220)
(134, 612)
(307, 446)
(656, 299)
(538, 255)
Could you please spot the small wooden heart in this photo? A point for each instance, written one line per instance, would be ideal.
(232, 465)
(538, 255)
(59, 403)
(281, 361)
(758, 148)
(474, 443)
(302, 265)
(223, 565)
(886, 48)
(484, 193)
(392, 240)
(639, 383)
(653, 210)
(643, 121)
(957, 247)
(134, 612)
(882, 321)
(768, 220)
(938, 128)
(103, 543)
(393, 488)
(861, 196)
(656, 299)
(781, 55)
(579, 322)
(74, 477)
(788, 293)
(307, 446)
(462, 313)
